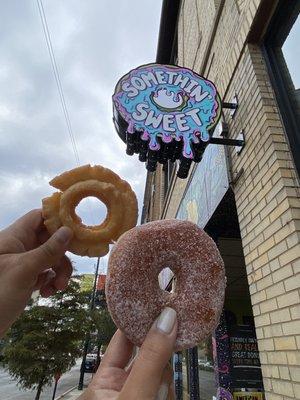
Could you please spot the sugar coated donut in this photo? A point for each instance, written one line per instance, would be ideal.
(133, 294)
(108, 187)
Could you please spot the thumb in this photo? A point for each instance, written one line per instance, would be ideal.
(50, 252)
(146, 375)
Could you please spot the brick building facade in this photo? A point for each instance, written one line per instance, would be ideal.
(227, 42)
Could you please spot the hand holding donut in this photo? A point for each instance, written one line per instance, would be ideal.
(134, 297)
(32, 250)
(30, 258)
(147, 378)
(27, 252)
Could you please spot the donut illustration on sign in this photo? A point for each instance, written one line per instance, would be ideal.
(171, 109)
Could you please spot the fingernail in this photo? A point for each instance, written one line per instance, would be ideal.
(63, 234)
(50, 275)
(166, 320)
(162, 392)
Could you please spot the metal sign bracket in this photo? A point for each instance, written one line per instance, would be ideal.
(239, 142)
(232, 106)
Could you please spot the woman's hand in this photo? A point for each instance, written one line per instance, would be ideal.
(147, 377)
(29, 260)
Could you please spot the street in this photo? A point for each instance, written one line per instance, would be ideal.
(206, 383)
(10, 391)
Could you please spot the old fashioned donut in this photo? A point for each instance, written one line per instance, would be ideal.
(133, 294)
(108, 187)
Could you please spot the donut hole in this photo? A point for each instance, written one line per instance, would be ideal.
(91, 210)
(164, 277)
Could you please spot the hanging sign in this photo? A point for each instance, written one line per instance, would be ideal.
(165, 112)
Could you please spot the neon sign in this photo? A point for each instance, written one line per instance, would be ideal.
(165, 112)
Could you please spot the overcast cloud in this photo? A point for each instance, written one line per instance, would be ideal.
(95, 43)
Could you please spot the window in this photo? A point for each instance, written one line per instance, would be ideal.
(283, 56)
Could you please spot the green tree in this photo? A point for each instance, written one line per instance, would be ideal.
(47, 338)
(86, 282)
(2, 345)
(104, 325)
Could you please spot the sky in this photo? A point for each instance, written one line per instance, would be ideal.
(95, 43)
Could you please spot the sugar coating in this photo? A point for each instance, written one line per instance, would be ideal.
(133, 294)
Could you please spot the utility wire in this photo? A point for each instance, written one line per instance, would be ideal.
(59, 85)
(57, 78)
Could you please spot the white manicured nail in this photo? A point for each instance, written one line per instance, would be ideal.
(166, 320)
(162, 393)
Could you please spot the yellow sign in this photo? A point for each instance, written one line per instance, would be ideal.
(248, 396)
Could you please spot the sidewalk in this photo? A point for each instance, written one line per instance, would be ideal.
(71, 394)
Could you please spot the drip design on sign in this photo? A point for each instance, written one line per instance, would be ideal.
(168, 103)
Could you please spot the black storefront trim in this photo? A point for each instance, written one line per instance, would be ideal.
(167, 31)
(284, 18)
(166, 52)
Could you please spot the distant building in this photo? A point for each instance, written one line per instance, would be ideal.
(87, 284)
(101, 282)
(248, 202)
(100, 291)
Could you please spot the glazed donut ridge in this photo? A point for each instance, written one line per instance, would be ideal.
(108, 187)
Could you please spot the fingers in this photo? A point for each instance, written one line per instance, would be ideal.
(167, 376)
(50, 252)
(166, 388)
(32, 220)
(118, 353)
(134, 355)
(63, 272)
(43, 235)
(47, 291)
(167, 382)
(44, 278)
(171, 393)
(26, 228)
(152, 359)
(56, 278)
(110, 374)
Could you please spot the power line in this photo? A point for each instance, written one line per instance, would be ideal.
(57, 78)
(59, 85)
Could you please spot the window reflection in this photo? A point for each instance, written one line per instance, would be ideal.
(291, 52)
(283, 54)
(206, 375)
(289, 63)
(206, 370)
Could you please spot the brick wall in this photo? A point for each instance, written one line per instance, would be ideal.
(268, 204)
(267, 192)
(155, 194)
(195, 21)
